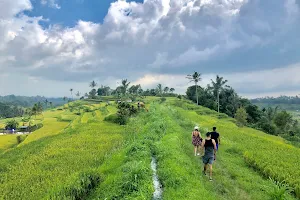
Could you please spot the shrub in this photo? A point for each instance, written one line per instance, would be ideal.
(80, 188)
(163, 99)
(11, 124)
(35, 127)
(125, 110)
(241, 117)
(21, 138)
(112, 118)
(280, 190)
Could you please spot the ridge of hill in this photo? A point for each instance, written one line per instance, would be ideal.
(90, 158)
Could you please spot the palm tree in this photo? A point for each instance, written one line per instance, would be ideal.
(51, 104)
(71, 90)
(46, 102)
(195, 77)
(65, 98)
(166, 89)
(217, 87)
(159, 89)
(93, 84)
(78, 94)
(172, 90)
(124, 86)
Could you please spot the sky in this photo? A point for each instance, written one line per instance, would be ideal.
(50, 46)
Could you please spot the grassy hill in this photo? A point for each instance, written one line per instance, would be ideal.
(82, 156)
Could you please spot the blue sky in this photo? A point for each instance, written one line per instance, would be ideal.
(71, 11)
(59, 44)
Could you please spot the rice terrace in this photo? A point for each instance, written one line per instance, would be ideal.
(149, 100)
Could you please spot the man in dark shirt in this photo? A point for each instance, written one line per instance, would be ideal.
(216, 136)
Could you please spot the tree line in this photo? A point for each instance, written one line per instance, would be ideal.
(278, 100)
(125, 89)
(221, 97)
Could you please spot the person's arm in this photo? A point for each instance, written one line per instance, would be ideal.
(200, 134)
(215, 146)
(202, 147)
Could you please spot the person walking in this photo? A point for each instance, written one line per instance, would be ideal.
(210, 148)
(216, 136)
(196, 140)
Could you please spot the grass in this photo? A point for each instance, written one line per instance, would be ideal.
(270, 155)
(95, 159)
(7, 141)
(58, 166)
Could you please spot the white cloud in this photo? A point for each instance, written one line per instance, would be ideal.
(154, 37)
(51, 3)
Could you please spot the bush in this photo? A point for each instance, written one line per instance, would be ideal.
(35, 127)
(21, 138)
(163, 99)
(79, 189)
(112, 118)
(241, 117)
(11, 124)
(125, 110)
(280, 190)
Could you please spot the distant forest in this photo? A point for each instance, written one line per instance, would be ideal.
(277, 100)
(29, 101)
(14, 106)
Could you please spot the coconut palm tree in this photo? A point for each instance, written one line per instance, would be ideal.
(195, 77)
(166, 89)
(172, 90)
(159, 89)
(46, 102)
(71, 90)
(124, 86)
(217, 87)
(93, 84)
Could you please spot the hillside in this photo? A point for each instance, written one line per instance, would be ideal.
(82, 156)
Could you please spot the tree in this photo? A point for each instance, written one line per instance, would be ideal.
(93, 93)
(46, 102)
(283, 120)
(241, 116)
(217, 86)
(93, 84)
(37, 109)
(195, 77)
(51, 104)
(172, 90)
(159, 89)
(65, 98)
(124, 86)
(78, 94)
(71, 90)
(134, 89)
(166, 90)
(11, 124)
(270, 113)
(103, 90)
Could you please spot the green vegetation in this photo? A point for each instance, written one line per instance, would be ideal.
(86, 156)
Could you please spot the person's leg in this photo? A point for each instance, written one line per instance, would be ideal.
(210, 171)
(204, 169)
(198, 150)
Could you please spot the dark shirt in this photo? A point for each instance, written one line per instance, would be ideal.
(209, 148)
(215, 136)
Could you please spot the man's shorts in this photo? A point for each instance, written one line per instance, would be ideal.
(207, 160)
